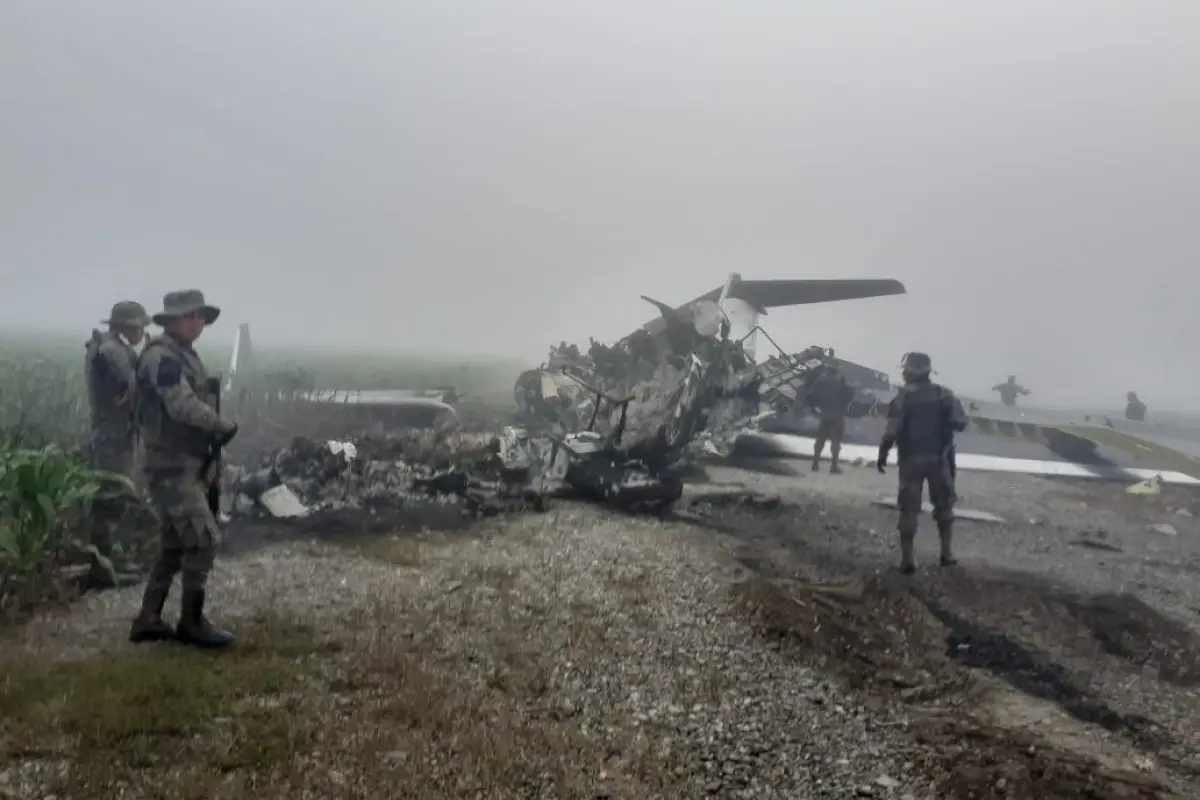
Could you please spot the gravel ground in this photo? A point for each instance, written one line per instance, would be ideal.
(761, 651)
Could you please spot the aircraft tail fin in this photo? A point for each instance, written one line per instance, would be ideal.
(241, 360)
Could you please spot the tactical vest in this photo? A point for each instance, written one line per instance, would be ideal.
(166, 441)
(926, 430)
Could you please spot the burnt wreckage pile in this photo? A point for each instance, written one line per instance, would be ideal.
(612, 425)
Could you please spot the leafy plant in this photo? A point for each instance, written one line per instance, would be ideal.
(45, 498)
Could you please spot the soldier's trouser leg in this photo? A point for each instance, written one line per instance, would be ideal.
(941, 495)
(908, 501)
(184, 504)
(108, 515)
(149, 625)
(835, 444)
(819, 443)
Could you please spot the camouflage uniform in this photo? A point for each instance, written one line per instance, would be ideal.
(179, 425)
(922, 421)
(109, 361)
(830, 396)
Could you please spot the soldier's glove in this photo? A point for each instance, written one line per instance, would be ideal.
(222, 439)
(881, 461)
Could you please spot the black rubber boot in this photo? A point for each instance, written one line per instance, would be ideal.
(194, 628)
(946, 534)
(149, 625)
(907, 563)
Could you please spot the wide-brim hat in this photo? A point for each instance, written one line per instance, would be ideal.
(128, 313)
(184, 302)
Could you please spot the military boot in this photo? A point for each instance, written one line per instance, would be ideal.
(194, 628)
(816, 464)
(149, 625)
(907, 563)
(834, 467)
(946, 534)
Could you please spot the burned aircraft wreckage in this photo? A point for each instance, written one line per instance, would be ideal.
(615, 423)
(612, 425)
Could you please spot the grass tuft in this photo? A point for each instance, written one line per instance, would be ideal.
(145, 706)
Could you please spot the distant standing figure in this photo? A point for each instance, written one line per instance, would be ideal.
(830, 397)
(1010, 390)
(922, 421)
(109, 360)
(179, 425)
(1135, 409)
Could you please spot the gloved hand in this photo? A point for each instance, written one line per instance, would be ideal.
(223, 439)
(881, 462)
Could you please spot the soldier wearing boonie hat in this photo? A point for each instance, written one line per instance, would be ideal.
(179, 425)
(109, 363)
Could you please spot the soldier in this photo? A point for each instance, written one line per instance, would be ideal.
(1010, 390)
(1136, 409)
(179, 426)
(922, 421)
(109, 360)
(830, 397)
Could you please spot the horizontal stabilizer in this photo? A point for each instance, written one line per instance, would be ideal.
(762, 295)
(779, 293)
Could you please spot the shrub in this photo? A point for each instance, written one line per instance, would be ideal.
(45, 499)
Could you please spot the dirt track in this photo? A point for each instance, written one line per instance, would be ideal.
(1034, 669)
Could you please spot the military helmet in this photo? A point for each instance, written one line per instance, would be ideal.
(916, 363)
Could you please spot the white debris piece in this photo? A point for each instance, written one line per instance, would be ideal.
(346, 449)
(1165, 529)
(1150, 486)
(959, 513)
(281, 503)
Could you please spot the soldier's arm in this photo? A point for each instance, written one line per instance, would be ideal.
(895, 420)
(118, 367)
(165, 372)
(957, 415)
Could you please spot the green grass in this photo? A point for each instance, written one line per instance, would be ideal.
(148, 706)
(43, 396)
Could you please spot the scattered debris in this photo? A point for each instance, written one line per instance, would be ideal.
(1165, 529)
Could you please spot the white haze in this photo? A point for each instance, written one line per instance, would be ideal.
(493, 177)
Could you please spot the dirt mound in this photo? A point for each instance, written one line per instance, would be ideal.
(907, 645)
(984, 762)
(868, 631)
(1128, 628)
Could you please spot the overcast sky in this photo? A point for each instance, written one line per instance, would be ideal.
(497, 175)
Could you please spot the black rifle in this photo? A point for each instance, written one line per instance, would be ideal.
(214, 454)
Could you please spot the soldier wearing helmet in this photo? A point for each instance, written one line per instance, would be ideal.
(922, 421)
